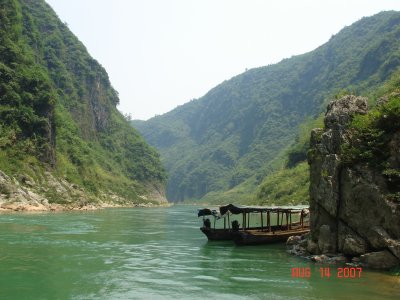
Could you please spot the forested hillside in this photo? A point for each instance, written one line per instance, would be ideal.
(221, 147)
(60, 130)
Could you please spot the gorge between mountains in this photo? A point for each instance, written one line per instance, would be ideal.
(249, 140)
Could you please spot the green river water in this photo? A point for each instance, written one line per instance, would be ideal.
(156, 253)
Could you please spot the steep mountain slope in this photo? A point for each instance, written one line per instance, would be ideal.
(59, 123)
(235, 135)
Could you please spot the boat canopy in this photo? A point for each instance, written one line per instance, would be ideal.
(208, 212)
(236, 209)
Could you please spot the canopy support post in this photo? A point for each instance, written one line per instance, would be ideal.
(287, 220)
(262, 221)
(277, 223)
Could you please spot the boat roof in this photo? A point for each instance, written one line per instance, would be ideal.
(207, 212)
(239, 209)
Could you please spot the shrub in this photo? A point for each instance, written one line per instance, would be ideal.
(370, 135)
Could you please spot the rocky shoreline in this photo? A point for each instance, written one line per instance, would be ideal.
(378, 260)
(22, 193)
(54, 207)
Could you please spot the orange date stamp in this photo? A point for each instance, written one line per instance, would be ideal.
(347, 272)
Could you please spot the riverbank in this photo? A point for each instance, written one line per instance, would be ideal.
(23, 193)
(26, 207)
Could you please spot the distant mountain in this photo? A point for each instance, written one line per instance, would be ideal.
(225, 143)
(58, 117)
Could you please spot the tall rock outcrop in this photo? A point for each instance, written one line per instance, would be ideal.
(351, 210)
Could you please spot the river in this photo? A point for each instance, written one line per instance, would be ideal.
(156, 253)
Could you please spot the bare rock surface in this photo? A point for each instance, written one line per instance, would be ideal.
(23, 193)
(379, 260)
(351, 212)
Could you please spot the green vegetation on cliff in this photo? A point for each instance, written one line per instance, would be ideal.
(26, 93)
(58, 111)
(375, 137)
(372, 132)
(222, 146)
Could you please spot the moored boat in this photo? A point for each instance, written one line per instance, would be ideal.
(280, 232)
(256, 237)
(246, 234)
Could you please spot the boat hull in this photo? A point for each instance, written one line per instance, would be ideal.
(218, 234)
(243, 238)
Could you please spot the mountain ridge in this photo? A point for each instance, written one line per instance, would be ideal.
(234, 133)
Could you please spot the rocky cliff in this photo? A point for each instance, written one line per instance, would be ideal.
(62, 139)
(353, 211)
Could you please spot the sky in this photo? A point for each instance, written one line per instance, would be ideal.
(160, 54)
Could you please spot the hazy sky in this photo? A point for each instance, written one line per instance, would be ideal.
(162, 53)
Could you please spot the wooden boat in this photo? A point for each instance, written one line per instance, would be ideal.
(278, 233)
(247, 235)
(257, 237)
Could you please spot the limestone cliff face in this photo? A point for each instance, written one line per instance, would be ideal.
(351, 212)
